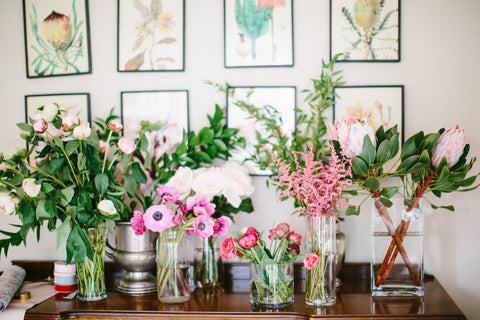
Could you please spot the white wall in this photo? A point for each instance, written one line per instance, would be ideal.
(439, 68)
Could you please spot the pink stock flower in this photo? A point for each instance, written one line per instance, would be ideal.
(40, 125)
(350, 133)
(158, 218)
(137, 223)
(70, 121)
(200, 206)
(115, 126)
(227, 249)
(310, 261)
(221, 226)
(126, 145)
(249, 240)
(203, 226)
(450, 146)
(168, 194)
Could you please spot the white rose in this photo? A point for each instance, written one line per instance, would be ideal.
(182, 181)
(82, 131)
(11, 152)
(7, 203)
(239, 183)
(30, 188)
(208, 182)
(50, 111)
(106, 207)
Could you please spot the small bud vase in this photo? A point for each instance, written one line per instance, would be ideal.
(208, 265)
(321, 278)
(271, 284)
(173, 272)
(91, 273)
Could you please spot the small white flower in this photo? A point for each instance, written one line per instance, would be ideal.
(106, 207)
(81, 132)
(30, 188)
(50, 111)
(11, 152)
(7, 203)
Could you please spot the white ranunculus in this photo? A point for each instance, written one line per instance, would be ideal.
(106, 207)
(7, 203)
(11, 152)
(239, 182)
(30, 188)
(209, 182)
(81, 132)
(50, 111)
(182, 181)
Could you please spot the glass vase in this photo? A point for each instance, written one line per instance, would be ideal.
(173, 272)
(271, 284)
(208, 265)
(397, 248)
(91, 273)
(321, 278)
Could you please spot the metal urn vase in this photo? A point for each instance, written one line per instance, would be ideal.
(136, 254)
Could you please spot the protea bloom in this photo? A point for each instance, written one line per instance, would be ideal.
(367, 13)
(450, 146)
(57, 29)
(350, 133)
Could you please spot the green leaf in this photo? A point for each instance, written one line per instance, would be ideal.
(25, 127)
(359, 167)
(425, 158)
(389, 192)
(63, 231)
(350, 211)
(181, 149)
(450, 208)
(206, 135)
(372, 183)
(204, 157)
(383, 151)
(220, 144)
(46, 208)
(138, 173)
(56, 164)
(78, 246)
(58, 142)
(407, 164)
(194, 141)
(417, 167)
(68, 192)
(394, 146)
(386, 202)
(368, 151)
(71, 146)
(130, 184)
(101, 183)
(409, 148)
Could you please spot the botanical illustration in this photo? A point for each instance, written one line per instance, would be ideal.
(258, 32)
(365, 29)
(56, 37)
(150, 35)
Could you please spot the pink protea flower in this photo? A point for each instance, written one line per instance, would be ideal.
(203, 226)
(450, 146)
(58, 30)
(137, 223)
(158, 218)
(310, 261)
(70, 121)
(200, 206)
(168, 194)
(221, 226)
(115, 126)
(40, 125)
(350, 133)
(227, 249)
(126, 145)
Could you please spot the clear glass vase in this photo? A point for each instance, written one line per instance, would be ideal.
(397, 248)
(208, 265)
(271, 284)
(321, 278)
(91, 273)
(173, 272)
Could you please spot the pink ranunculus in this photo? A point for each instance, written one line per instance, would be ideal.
(158, 218)
(40, 125)
(103, 146)
(203, 202)
(310, 261)
(115, 126)
(126, 145)
(450, 146)
(137, 222)
(168, 194)
(249, 240)
(227, 249)
(350, 133)
(221, 226)
(70, 121)
(294, 237)
(203, 226)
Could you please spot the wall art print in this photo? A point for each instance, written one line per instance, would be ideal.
(57, 40)
(365, 30)
(151, 35)
(258, 33)
(68, 103)
(381, 105)
(283, 99)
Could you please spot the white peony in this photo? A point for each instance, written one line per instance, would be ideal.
(82, 131)
(7, 203)
(239, 182)
(30, 188)
(182, 180)
(209, 182)
(106, 207)
(50, 111)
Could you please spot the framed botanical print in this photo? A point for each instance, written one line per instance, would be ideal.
(151, 35)
(365, 31)
(283, 99)
(57, 39)
(258, 33)
(68, 103)
(381, 105)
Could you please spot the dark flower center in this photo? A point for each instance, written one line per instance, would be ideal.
(157, 216)
(201, 226)
(166, 194)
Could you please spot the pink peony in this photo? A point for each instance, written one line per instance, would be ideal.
(249, 240)
(40, 125)
(221, 226)
(168, 194)
(310, 261)
(227, 249)
(126, 145)
(137, 223)
(115, 126)
(70, 121)
(203, 226)
(450, 146)
(158, 218)
(350, 133)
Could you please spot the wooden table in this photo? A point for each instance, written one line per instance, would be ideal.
(354, 301)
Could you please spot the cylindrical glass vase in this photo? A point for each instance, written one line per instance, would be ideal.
(321, 278)
(91, 273)
(173, 272)
(208, 265)
(271, 284)
(397, 247)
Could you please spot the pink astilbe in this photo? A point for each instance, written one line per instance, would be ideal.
(317, 187)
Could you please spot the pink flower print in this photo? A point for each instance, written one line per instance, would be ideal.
(158, 218)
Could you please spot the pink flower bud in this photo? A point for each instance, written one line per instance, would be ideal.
(103, 146)
(126, 145)
(450, 146)
(115, 126)
(70, 121)
(40, 125)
